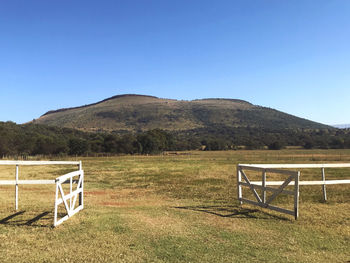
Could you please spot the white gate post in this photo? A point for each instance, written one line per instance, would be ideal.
(296, 196)
(16, 188)
(324, 186)
(239, 186)
(264, 186)
(56, 205)
(81, 195)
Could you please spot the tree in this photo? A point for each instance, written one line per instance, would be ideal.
(77, 146)
(276, 145)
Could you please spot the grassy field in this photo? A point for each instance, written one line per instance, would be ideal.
(176, 208)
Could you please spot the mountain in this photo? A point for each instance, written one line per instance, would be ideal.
(342, 126)
(136, 113)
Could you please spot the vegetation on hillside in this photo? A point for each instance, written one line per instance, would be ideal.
(34, 139)
(136, 113)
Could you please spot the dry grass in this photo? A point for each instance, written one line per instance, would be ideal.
(175, 208)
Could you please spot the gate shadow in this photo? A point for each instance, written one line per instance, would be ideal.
(230, 211)
(44, 219)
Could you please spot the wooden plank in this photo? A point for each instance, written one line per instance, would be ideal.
(270, 170)
(251, 187)
(16, 188)
(79, 186)
(252, 168)
(327, 182)
(272, 207)
(268, 188)
(264, 186)
(81, 195)
(296, 196)
(324, 186)
(280, 189)
(7, 182)
(56, 206)
(24, 182)
(70, 191)
(296, 166)
(61, 220)
(65, 177)
(239, 187)
(64, 199)
(68, 196)
(68, 216)
(39, 163)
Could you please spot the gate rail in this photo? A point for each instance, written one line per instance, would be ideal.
(263, 201)
(291, 180)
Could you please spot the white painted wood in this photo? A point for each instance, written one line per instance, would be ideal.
(39, 163)
(280, 189)
(264, 186)
(275, 168)
(68, 196)
(276, 191)
(64, 199)
(16, 188)
(67, 176)
(239, 187)
(81, 195)
(70, 190)
(327, 182)
(296, 196)
(72, 196)
(251, 187)
(21, 182)
(296, 166)
(67, 217)
(56, 206)
(324, 185)
(270, 170)
(259, 186)
(272, 207)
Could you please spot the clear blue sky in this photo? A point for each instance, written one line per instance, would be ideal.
(290, 55)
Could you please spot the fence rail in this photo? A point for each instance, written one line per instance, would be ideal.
(293, 179)
(59, 181)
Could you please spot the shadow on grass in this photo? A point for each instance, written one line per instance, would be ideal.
(44, 219)
(232, 212)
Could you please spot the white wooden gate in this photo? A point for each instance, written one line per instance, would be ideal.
(292, 179)
(69, 200)
(263, 200)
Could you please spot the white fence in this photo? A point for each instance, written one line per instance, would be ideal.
(72, 207)
(292, 179)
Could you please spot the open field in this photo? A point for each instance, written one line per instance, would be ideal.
(176, 208)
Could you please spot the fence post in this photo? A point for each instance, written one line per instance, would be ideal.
(324, 186)
(56, 206)
(296, 196)
(70, 191)
(239, 187)
(81, 198)
(264, 186)
(16, 188)
(81, 195)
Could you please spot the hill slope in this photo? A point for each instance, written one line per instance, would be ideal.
(139, 113)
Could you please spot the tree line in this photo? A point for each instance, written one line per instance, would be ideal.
(34, 139)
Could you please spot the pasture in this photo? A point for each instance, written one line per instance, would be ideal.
(176, 208)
